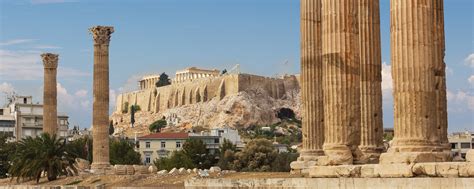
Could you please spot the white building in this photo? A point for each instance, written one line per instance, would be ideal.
(461, 142)
(27, 118)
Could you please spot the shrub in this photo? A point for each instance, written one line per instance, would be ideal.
(122, 152)
(156, 126)
(177, 159)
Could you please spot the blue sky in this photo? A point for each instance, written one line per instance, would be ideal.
(154, 36)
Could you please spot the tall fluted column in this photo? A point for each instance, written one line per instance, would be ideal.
(341, 81)
(440, 76)
(412, 46)
(100, 112)
(311, 84)
(371, 130)
(50, 113)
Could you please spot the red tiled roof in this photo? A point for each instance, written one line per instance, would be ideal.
(165, 136)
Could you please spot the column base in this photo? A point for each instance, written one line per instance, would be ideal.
(100, 167)
(371, 153)
(470, 156)
(336, 155)
(414, 157)
(307, 159)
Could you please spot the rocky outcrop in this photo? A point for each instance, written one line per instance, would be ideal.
(241, 110)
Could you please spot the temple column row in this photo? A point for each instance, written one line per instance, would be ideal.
(351, 82)
(187, 76)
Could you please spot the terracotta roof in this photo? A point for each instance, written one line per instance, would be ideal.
(165, 136)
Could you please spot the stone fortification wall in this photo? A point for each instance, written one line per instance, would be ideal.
(202, 90)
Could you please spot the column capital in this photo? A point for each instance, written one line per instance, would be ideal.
(101, 34)
(50, 60)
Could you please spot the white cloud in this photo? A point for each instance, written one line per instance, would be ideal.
(131, 84)
(6, 88)
(81, 93)
(26, 65)
(16, 41)
(470, 60)
(64, 98)
(471, 80)
(85, 103)
(387, 82)
(460, 101)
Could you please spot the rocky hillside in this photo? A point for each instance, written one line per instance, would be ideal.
(244, 109)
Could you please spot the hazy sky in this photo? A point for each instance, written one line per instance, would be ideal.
(154, 36)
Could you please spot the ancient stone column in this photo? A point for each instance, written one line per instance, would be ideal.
(341, 84)
(371, 131)
(311, 85)
(50, 113)
(100, 112)
(412, 51)
(440, 77)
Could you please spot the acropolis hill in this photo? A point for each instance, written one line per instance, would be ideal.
(198, 97)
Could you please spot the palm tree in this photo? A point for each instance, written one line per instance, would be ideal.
(44, 153)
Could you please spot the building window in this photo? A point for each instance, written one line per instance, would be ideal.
(465, 145)
(24, 101)
(216, 140)
(147, 159)
(454, 145)
(178, 144)
(163, 144)
(472, 146)
(147, 144)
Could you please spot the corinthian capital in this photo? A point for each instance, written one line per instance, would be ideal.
(101, 34)
(50, 60)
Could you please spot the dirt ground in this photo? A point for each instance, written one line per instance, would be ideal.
(155, 180)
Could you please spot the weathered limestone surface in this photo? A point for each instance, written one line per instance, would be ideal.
(470, 156)
(398, 170)
(440, 77)
(412, 49)
(333, 183)
(50, 113)
(371, 143)
(340, 49)
(311, 84)
(100, 112)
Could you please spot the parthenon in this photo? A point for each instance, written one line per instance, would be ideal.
(192, 73)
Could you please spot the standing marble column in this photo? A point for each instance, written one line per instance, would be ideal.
(50, 113)
(440, 77)
(412, 48)
(311, 85)
(341, 84)
(371, 131)
(100, 112)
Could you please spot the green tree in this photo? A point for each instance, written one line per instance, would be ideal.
(43, 153)
(257, 155)
(122, 152)
(196, 150)
(156, 126)
(125, 108)
(80, 148)
(177, 159)
(163, 81)
(224, 72)
(227, 154)
(111, 128)
(7, 149)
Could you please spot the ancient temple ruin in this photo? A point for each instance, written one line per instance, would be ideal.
(341, 54)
